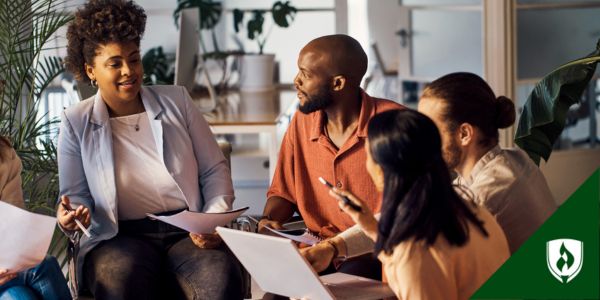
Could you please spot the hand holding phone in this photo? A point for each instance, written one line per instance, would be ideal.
(345, 199)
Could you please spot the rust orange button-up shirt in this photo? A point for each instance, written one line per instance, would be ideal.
(307, 153)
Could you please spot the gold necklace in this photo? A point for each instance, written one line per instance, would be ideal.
(137, 122)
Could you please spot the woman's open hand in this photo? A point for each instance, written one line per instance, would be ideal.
(363, 218)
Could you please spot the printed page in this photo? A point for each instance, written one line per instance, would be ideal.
(198, 222)
(25, 237)
(298, 235)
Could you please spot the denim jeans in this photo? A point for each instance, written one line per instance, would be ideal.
(44, 281)
(154, 260)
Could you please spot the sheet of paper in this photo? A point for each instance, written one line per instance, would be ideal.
(302, 236)
(198, 222)
(25, 237)
(351, 287)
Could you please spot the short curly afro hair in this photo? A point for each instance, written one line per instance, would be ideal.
(97, 23)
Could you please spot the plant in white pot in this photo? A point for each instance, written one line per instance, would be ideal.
(256, 70)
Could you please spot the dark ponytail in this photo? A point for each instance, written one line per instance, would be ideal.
(469, 99)
(505, 112)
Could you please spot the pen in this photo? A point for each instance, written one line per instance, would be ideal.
(345, 199)
(79, 224)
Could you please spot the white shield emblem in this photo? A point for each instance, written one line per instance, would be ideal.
(564, 258)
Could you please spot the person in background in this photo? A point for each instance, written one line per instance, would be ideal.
(132, 150)
(505, 181)
(326, 138)
(433, 243)
(44, 281)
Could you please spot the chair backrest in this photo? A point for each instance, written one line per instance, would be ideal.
(379, 60)
(84, 90)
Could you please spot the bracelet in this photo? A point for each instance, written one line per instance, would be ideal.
(336, 253)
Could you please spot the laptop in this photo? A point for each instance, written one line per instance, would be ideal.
(278, 267)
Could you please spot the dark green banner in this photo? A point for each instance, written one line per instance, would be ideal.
(561, 260)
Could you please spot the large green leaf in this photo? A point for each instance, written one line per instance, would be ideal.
(255, 25)
(544, 115)
(283, 13)
(238, 19)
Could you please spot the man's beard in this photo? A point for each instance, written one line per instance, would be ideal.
(452, 153)
(318, 101)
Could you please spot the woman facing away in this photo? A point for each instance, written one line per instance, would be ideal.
(432, 243)
(132, 150)
(44, 281)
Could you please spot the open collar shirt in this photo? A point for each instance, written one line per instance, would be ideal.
(307, 153)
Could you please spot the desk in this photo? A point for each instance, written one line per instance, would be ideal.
(250, 113)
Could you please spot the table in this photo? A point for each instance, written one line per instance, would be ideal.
(243, 112)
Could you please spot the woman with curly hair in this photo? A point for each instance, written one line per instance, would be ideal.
(132, 150)
(44, 281)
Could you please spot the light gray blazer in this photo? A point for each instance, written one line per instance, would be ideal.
(184, 142)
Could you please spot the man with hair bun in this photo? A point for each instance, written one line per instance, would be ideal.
(505, 181)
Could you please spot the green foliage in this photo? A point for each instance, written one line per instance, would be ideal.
(283, 14)
(545, 112)
(157, 67)
(210, 12)
(26, 29)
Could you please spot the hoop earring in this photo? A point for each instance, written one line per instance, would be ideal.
(94, 83)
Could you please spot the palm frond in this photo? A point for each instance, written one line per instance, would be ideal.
(47, 69)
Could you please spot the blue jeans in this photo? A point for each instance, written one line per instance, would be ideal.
(44, 281)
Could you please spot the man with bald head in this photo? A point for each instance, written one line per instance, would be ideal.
(326, 139)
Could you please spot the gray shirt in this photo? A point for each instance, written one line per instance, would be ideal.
(514, 190)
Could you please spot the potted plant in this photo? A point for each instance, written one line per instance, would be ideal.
(256, 70)
(210, 15)
(26, 29)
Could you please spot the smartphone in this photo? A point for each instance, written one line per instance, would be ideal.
(346, 200)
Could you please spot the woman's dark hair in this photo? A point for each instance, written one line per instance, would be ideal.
(469, 99)
(100, 22)
(419, 201)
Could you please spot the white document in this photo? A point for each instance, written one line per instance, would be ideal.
(278, 267)
(298, 235)
(25, 237)
(346, 286)
(198, 222)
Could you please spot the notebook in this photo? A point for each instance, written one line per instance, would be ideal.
(278, 267)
